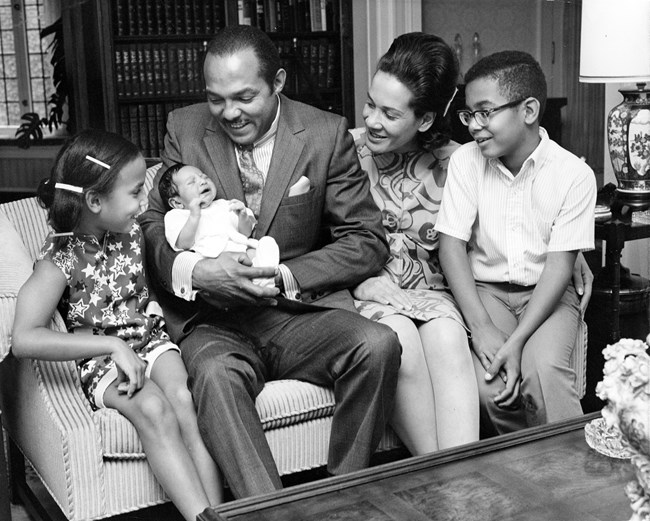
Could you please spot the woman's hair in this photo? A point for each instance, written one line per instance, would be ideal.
(426, 66)
(166, 186)
(74, 167)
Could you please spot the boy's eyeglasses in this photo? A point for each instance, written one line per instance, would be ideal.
(482, 116)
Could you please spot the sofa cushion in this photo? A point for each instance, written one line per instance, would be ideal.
(148, 180)
(30, 221)
(15, 269)
(281, 403)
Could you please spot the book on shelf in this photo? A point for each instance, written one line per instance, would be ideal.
(260, 16)
(150, 18)
(323, 62)
(331, 71)
(245, 10)
(147, 65)
(158, 80)
(134, 78)
(270, 16)
(170, 12)
(119, 73)
(159, 14)
(120, 18)
(173, 68)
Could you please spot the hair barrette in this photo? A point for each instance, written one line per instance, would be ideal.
(98, 162)
(450, 101)
(62, 234)
(69, 188)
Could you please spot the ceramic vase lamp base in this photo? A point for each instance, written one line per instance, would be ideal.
(628, 133)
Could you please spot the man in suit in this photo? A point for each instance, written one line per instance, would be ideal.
(234, 335)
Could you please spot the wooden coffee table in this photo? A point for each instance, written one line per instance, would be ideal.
(544, 473)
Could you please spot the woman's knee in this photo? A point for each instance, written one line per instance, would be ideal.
(446, 341)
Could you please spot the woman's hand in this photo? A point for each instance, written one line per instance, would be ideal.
(130, 368)
(583, 281)
(384, 291)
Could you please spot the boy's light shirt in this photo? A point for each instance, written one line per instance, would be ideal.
(186, 260)
(512, 222)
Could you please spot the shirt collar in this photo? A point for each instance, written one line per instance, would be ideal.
(272, 131)
(536, 157)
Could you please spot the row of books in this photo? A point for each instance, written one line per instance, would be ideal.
(175, 69)
(165, 17)
(310, 64)
(159, 69)
(144, 124)
(288, 15)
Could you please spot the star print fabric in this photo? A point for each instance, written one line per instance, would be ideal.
(107, 295)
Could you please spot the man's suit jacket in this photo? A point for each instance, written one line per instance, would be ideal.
(331, 237)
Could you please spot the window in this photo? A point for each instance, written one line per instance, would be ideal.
(25, 69)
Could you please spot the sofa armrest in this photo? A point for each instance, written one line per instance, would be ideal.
(47, 416)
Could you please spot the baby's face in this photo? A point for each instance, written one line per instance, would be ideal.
(192, 184)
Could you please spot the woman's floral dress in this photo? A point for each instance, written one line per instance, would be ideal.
(408, 189)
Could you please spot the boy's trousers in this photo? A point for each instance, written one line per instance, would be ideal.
(548, 390)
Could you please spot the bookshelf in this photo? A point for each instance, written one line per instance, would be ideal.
(135, 60)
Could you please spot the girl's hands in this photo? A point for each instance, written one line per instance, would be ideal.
(384, 291)
(130, 368)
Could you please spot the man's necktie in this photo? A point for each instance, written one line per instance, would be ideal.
(252, 179)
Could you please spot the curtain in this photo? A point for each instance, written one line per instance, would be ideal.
(584, 129)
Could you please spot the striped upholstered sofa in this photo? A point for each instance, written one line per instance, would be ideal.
(92, 463)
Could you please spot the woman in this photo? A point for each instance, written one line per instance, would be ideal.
(405, 148)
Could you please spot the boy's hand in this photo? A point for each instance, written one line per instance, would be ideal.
(583, 281)
(507, 363)
(384, 291)
(486, 343)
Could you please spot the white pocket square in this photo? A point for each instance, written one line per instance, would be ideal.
(301, 187)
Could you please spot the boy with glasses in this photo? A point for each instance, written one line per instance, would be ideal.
(517, 209)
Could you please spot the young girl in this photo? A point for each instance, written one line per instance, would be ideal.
(92, 269)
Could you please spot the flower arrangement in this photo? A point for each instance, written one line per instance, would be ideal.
(626, 388)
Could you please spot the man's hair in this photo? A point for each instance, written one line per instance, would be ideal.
(166, 186)
(517, 74)
(234, 38)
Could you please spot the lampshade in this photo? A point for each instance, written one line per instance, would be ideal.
(615, 41)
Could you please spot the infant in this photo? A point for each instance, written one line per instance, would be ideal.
(200, 222)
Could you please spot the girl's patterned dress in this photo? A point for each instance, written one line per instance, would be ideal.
(408, 189)
(107, 295)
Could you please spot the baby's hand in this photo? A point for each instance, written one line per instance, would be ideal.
(235, 205)
(195, 206)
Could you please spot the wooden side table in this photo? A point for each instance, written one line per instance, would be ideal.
(615, 294)
(616, 232)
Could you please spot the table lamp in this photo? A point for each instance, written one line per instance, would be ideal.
(615, 48)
